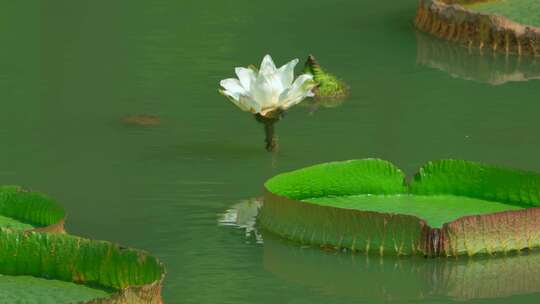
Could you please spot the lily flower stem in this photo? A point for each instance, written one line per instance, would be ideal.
(269, 132)
(270, 137)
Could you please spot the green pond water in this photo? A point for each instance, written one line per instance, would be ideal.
(8, 222)
(522, 11)
(70, 71)
(31, 290)
(436, 210)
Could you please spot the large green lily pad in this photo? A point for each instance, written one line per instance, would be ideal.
(26, 210)
(508, 26)
(522, 11)
(118, 275)
(393, 278)
(435, 209)
(32, 290)
(451, 207)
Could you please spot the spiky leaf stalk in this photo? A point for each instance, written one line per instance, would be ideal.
(328, 85)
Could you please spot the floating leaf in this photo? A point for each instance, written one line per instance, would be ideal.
(23, 209)
(452, 207)
(132, 276)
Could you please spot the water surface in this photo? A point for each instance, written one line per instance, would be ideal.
(70, 71)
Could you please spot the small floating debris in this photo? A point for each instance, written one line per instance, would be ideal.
(145, 120)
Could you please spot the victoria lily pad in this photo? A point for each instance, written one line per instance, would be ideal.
(32, 290)
(99, 271)
(450, 208)
(509, 26)
(522, 11)
(26, 210)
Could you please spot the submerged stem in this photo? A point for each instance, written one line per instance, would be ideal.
(270, 139)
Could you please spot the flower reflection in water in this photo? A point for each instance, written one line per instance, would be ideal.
(243, 215)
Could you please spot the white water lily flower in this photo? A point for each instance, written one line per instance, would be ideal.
(269, 89)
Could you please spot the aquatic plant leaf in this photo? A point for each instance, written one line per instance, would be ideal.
(339, 178)
(339, 228)
(522, 11)
(496, 232)
(328, 85)
(436, 210)
(129, 273)
(465, 178)
(313, 224)
(310, 206)
(33, 290)
(33, 208)
(484, 30)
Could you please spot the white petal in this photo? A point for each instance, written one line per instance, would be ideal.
(233, 87)
(245, 103)
(276, 82)
(246, 76)
(267, 66)
(261, 91)
(286, 73)
(300, 89)
(266, 91)
(250, 104)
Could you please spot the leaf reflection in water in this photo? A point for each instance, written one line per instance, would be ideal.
(474, 65)
(406, 278)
